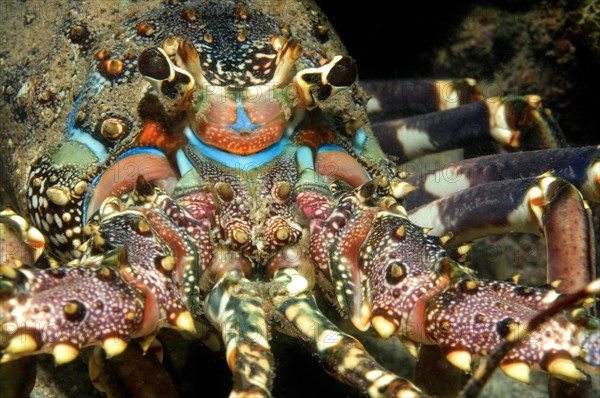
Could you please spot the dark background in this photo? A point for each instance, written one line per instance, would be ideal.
(394, 39)
(405, 39)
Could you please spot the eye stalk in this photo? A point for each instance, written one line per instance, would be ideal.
(175, 84)
(154, 65)
(315, 85)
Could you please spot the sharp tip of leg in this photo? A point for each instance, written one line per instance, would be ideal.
(461, 359)
(593, 287)
(5, 359)
(21, 344)
(185, 322)
(470, 81)
(231, 356)
(146, 341)
(564, 367)
(113, 346)
(401, 189)
(411, 347)
(95, 368)
(534, 101)
(8, 272)
(64, 353)
(445, 238)
(463, 250)
(384, 327)
(519, 371)
(35, 237)
(556, 283)
(157, 349)
(362, 317)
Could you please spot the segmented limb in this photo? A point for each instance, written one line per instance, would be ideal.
(155, 249)
(416, 292)
(21, 242)
(64, 309)
(235, 306)
(540, 205)
(471, 317)
(131, 290)
(514, 122)
(559, 362)
(396, 98)
(56, 194)
(341, 355)
(65, 190)
(579, 166)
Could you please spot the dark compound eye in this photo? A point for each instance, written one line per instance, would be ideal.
(395, 273)
(312, 77)
(343, 73)
(152, 63)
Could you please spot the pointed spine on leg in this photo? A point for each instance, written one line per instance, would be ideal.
(67, 308)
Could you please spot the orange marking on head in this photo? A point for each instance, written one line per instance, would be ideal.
(262, 111)
(154, 135)
(224, 138)
(222, 111)
(315, 136)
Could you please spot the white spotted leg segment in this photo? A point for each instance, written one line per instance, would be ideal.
(341, 355)
(513, 122)
(235, 306)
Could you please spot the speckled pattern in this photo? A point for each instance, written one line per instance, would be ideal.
(213, 242)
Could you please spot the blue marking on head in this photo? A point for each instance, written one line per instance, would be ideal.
(78, 135)
(141, 150)
(183, 163)
(242, 123)
(304, 158)
(247, 162)
(97, 148)
(73, 115)
(359, 141)
(331, 147)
